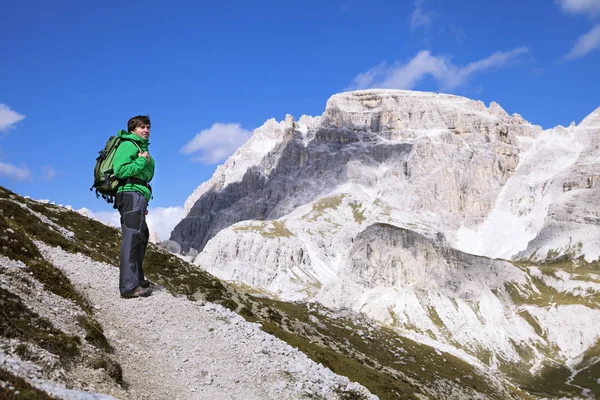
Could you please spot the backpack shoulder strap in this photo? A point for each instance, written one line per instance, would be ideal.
(132, 141)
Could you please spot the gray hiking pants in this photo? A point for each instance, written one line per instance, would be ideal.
(134, 232)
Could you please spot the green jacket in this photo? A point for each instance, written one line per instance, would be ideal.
(127, 164)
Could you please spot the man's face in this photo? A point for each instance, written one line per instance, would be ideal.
(142, 131)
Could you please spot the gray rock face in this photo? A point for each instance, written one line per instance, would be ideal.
(171, 246)
(572, 223)
(390, 256)
(402, 277)
(550, 207)
(293, 176)
(446, 153)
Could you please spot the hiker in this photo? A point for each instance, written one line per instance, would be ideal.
(134, 166)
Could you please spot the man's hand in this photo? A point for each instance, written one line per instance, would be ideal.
(145, 154)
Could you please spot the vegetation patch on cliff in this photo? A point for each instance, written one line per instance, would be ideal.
(268, 229)
(320, 206)
(357, 212)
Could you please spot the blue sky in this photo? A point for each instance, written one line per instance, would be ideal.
(73, 72)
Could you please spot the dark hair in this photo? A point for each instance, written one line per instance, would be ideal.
(136, 121)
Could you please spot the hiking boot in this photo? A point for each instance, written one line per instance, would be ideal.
(146, 284)
(138, 292)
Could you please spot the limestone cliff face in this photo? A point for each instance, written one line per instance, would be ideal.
(572, 223)
(406, 279)
(550, 206)
(446, 154)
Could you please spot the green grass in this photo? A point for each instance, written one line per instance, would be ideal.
(564, 263)
(550, 382)
(16, 388)
(589, 370)
(547, 295)
(387, 364)
(531, 320)
(321, 205)
(19, 322)
(182, 278)
(268, 229)
(112, 368)
(19, 226)
(554, 378)
(359, 217)
(92, 238)
(16, 245)
(94, 332)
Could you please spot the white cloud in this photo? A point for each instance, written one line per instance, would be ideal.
(161, 220)
(585, 44)
(419, 16)
(589, 7)
(216, 143)
(8, 117)
(110, 218)
(14, 172)
(49, 173)
(449, 76)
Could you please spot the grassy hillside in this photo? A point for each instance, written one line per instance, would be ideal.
(388, 364)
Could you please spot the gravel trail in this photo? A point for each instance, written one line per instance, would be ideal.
(173, 348)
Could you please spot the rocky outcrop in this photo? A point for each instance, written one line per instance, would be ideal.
(447, 154)
(550, 207)
(406, 279)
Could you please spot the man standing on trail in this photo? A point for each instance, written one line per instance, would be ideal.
(135, 168)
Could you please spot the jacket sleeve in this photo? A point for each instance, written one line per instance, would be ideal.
(126, 163)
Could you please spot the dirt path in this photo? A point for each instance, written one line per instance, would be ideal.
(172, 348)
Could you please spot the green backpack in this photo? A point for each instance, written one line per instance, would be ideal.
(105, 181)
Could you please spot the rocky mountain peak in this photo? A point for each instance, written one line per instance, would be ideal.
(407, 131)
(398, 110)
(496, 109)
(592, 120)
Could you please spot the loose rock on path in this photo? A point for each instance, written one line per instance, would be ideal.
(173, 348)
